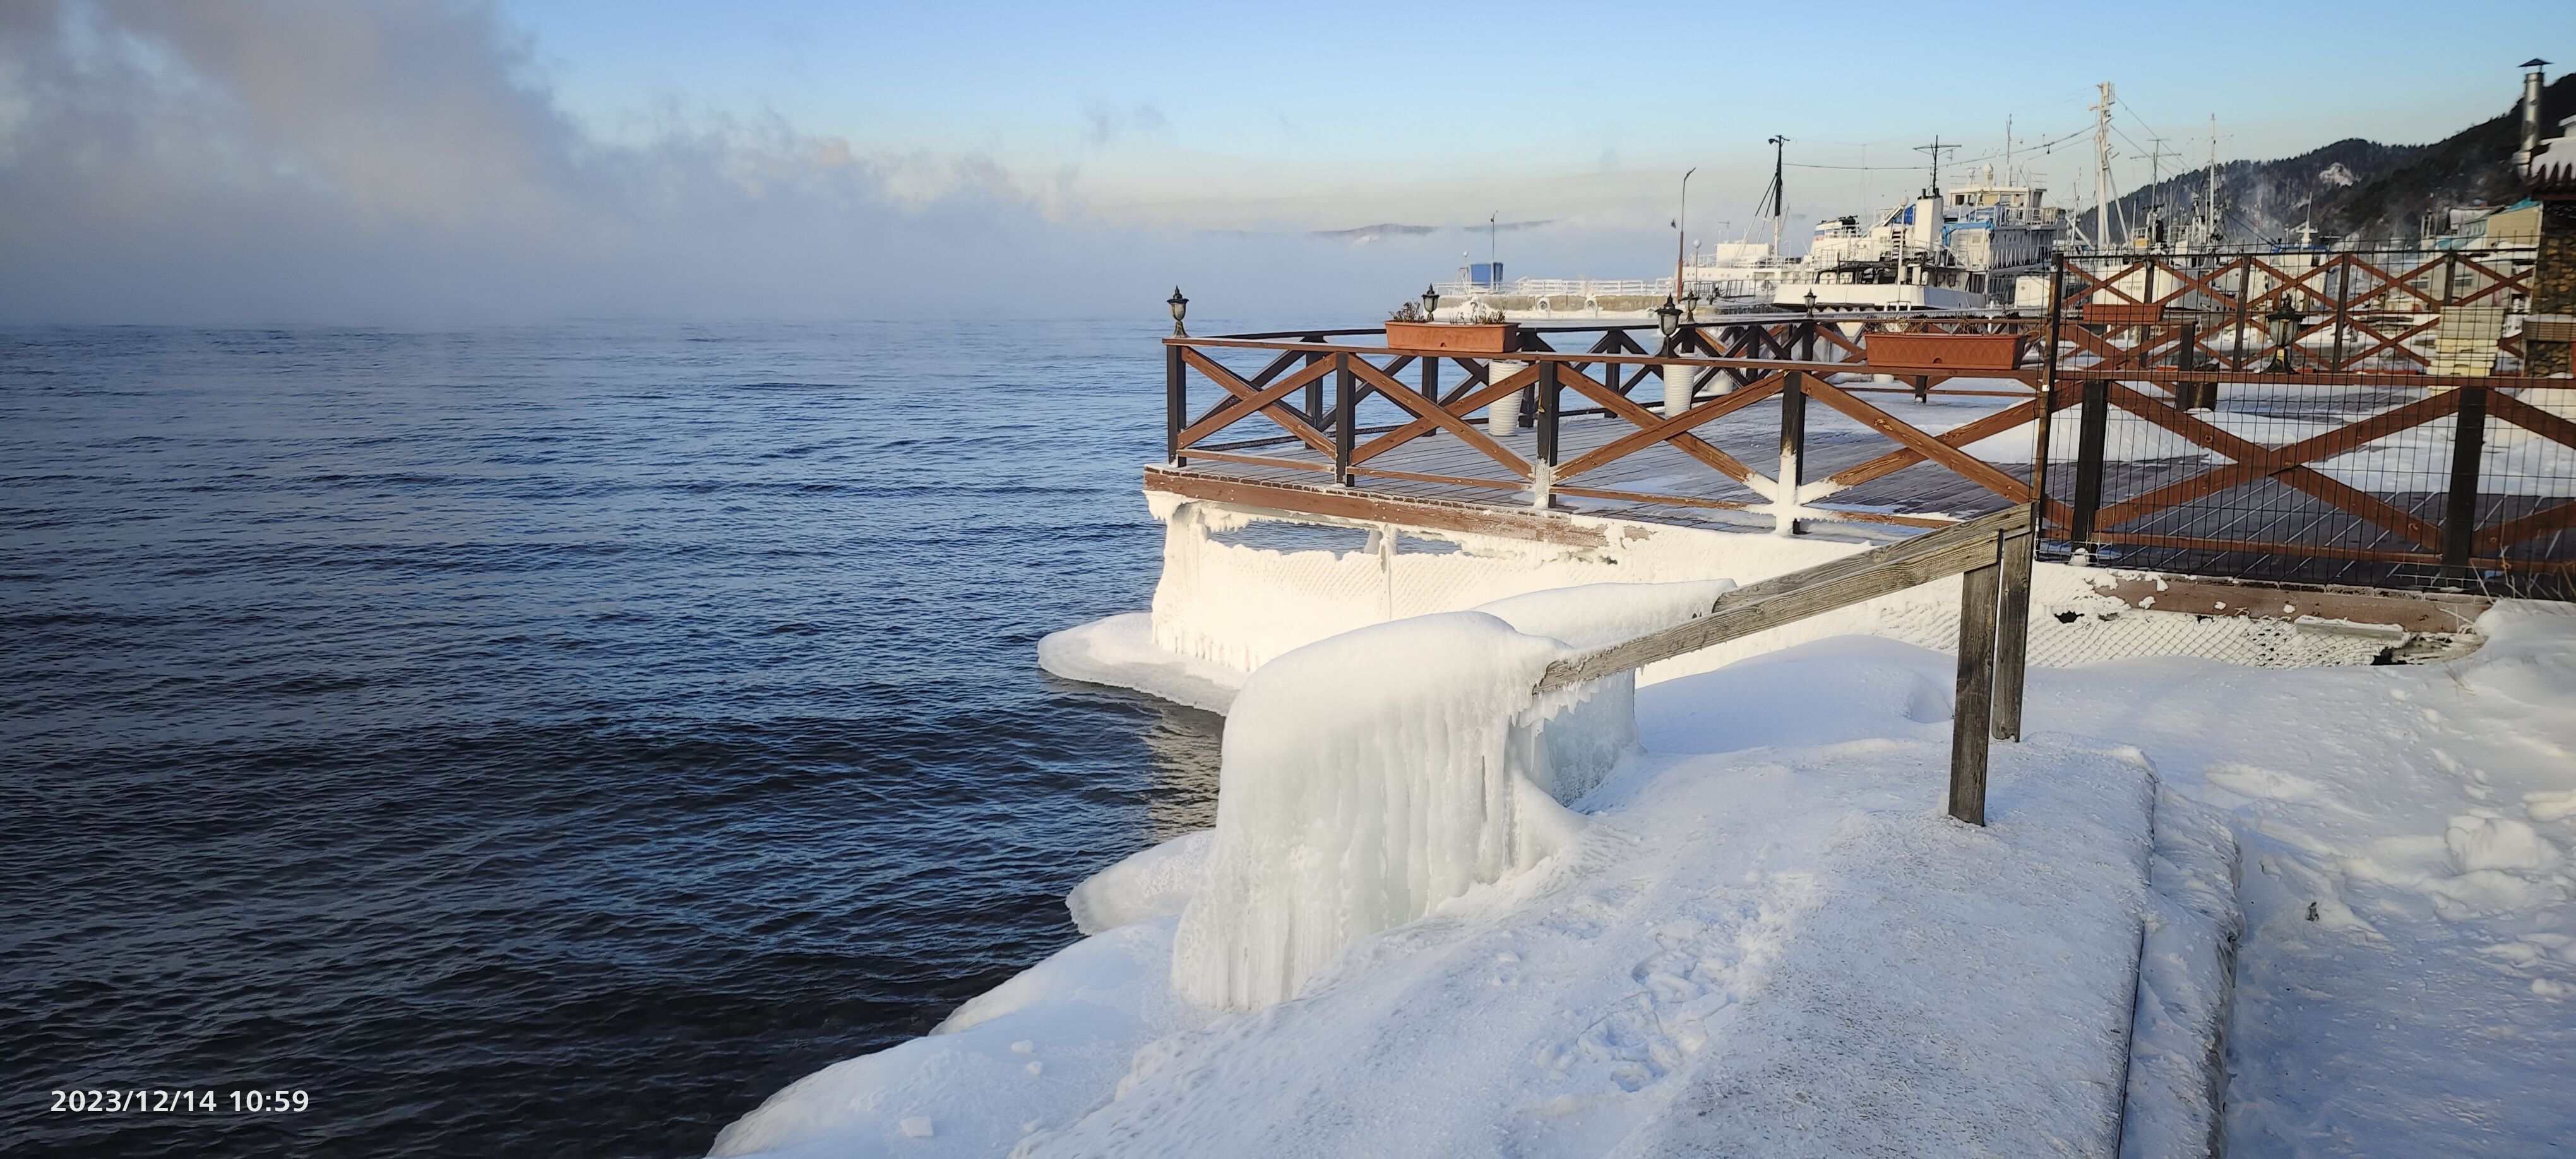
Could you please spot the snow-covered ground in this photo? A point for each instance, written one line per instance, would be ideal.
(1759, 936)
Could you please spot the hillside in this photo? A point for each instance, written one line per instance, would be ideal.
(2359, 188)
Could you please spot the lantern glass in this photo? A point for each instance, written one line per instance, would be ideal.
(1668, 317)
(1430, 301)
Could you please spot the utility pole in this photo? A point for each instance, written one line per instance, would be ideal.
(1779, 155)
(2102, 171)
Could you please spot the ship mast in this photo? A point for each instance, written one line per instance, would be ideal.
(2102, 171)
(1779, 153)
(2210, 230)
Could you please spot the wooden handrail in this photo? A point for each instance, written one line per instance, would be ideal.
(1786, 599)
(1993, 552)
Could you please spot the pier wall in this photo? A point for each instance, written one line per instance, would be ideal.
(1242, 585)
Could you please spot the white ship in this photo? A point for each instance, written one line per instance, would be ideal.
(1964, 248)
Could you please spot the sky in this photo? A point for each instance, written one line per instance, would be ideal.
(445, 161)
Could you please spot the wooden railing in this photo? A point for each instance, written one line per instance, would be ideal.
(2345, 310)
(1993, 552)
(2391, 477)
(1307, 398)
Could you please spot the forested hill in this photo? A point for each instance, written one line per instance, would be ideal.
(2359, 188)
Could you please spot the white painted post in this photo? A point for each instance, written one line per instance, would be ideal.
(1677, 388)
(1503, 415)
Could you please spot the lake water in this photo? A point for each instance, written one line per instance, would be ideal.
(549, 741)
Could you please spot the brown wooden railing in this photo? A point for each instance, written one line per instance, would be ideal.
(2320, 452)
(1306, 399)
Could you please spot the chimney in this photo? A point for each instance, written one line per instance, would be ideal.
(2531, 78)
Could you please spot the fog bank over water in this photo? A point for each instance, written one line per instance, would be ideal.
(409, 163)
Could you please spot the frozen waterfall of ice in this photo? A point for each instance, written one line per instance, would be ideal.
(1373, 775)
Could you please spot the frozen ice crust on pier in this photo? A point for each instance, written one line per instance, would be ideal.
(1366, 779)
(1374, 775)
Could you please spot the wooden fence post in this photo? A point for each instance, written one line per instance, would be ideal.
(1344, 403)
(2342, 310)
(1793, 448)
(2244, 290)
(2094, 419)
(2047, 398)
(2460, 513)
(1315, 389)
(1545, 469)
(1972, 712)
(2012, 633)
(1176, 404)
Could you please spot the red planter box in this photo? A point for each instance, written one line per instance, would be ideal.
(1943, 351)
(2123, 313)
(1453, 337)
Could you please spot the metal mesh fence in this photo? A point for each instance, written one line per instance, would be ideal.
(2322, 418)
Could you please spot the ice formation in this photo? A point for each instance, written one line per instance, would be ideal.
(1378, 773)
(1156, 883)
(1365, 779)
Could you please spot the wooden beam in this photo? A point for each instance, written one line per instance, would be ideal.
(1972, 708)
(1974, 470)
(2012, 635)
(1376, 507)
(2246, 599)
(1789, 598)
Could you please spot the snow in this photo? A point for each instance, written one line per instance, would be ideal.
(2405, 984)
(2322, 911)
(1082, 1015)
(1155, 883)
(1120, 650)
(1779, 951)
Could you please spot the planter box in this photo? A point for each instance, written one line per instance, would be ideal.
(2123, 313)
(1453, 337)
(1954, 352)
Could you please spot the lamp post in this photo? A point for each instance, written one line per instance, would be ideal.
(2285, 323)
(1677, 377)
(1680, 217)
(1430, 301)
(1180, 307)
(1690, 304)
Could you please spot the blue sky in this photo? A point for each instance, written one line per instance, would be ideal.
(457, 160)
(1336, 115)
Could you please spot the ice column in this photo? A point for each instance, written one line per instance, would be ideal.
(1373, 775)
(1366, 778)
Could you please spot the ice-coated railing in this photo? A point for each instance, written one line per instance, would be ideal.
(1373, 775)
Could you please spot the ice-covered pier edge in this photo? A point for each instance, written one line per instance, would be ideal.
(1758, 935)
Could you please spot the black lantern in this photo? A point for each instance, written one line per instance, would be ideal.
(1690, 304)
(1811, 301)
(1430, 301)
(1180, 307)
(1668, 318)
(2285, 323)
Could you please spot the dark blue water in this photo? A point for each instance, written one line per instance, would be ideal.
(548, 741)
